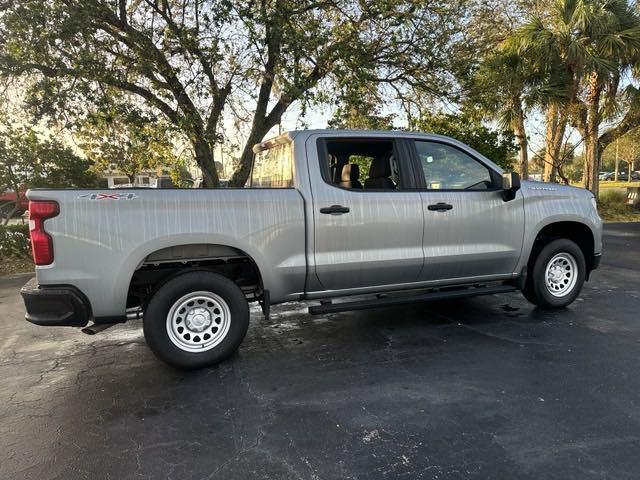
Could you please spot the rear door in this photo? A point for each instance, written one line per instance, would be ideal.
(367, 217)
(469, 230)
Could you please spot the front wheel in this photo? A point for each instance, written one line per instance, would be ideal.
(196, 320)
(557, 275)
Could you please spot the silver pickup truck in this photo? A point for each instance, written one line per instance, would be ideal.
(352, 219)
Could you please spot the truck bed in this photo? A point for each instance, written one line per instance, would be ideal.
(115, 230)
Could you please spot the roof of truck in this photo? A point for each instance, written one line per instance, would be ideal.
(291, 135)
(383, 133)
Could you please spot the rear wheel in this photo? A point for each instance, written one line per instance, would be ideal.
(196, 320)
(557, 275)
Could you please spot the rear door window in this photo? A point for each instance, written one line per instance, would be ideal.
(272, 168)
(361, 164)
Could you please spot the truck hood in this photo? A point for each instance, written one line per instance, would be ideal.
(553, 190)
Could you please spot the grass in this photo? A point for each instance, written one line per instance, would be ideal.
(608, 185)
(612, 205)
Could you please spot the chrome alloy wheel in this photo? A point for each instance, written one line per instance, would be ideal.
(561, 274)
(198, 321)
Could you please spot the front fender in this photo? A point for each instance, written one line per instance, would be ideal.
(542, 210)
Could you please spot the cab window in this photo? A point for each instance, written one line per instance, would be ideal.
(448, 168)
(361, 164)
(272, 168)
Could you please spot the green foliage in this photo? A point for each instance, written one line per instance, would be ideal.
(498, 86)
(29, 160)
(359, 108)
(190, 61)
(585, 52)
(612, 206)
(14, 241)
(180, 175)
(572, 166)
(626, 148)
(613, 196)
(572, 40)
(497, 145)
(120, 138)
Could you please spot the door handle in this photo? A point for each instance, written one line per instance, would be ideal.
(440, 207)
(335, 210)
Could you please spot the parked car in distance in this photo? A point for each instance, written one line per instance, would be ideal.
(604, 176)
(349, 219)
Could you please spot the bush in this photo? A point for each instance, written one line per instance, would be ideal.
(613, 196)
(14, 241)
(613, 208)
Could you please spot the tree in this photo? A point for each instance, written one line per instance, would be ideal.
(594, 44)
(499, 86)
(191, 59)
(566, 165)
(628, 124)
(495, 79)
(623, 153)
(359, 108)
(497, 145)
(124, 140)
(28, 160)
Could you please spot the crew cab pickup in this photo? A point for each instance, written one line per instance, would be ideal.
(348, 219)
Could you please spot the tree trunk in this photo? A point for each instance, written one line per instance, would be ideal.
(548, 171)
(554, 136)
(590, 175)
(521, 138)
(590, 153)
(591, 134)
(11, 213)
(243, 170)
(206, 163)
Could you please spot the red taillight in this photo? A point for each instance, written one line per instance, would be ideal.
(41, 241)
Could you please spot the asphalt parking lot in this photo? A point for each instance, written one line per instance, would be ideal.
(481, 388)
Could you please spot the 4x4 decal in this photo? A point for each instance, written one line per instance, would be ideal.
(109, 196)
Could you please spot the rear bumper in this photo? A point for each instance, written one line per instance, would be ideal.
(59, 305)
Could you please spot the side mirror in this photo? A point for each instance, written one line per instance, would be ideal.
(510, 185)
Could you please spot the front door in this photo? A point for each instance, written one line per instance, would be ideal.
(367, 222)
(470, 232)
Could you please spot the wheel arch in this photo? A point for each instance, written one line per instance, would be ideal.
(177, 255)
(576, 231)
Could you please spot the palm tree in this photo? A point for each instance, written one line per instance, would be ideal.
(591, 45)
(499, 85)
(547, 87)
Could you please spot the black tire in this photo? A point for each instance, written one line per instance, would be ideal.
(536, 290)
(156, 324)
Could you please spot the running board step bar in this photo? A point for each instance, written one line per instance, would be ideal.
(385, 301)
